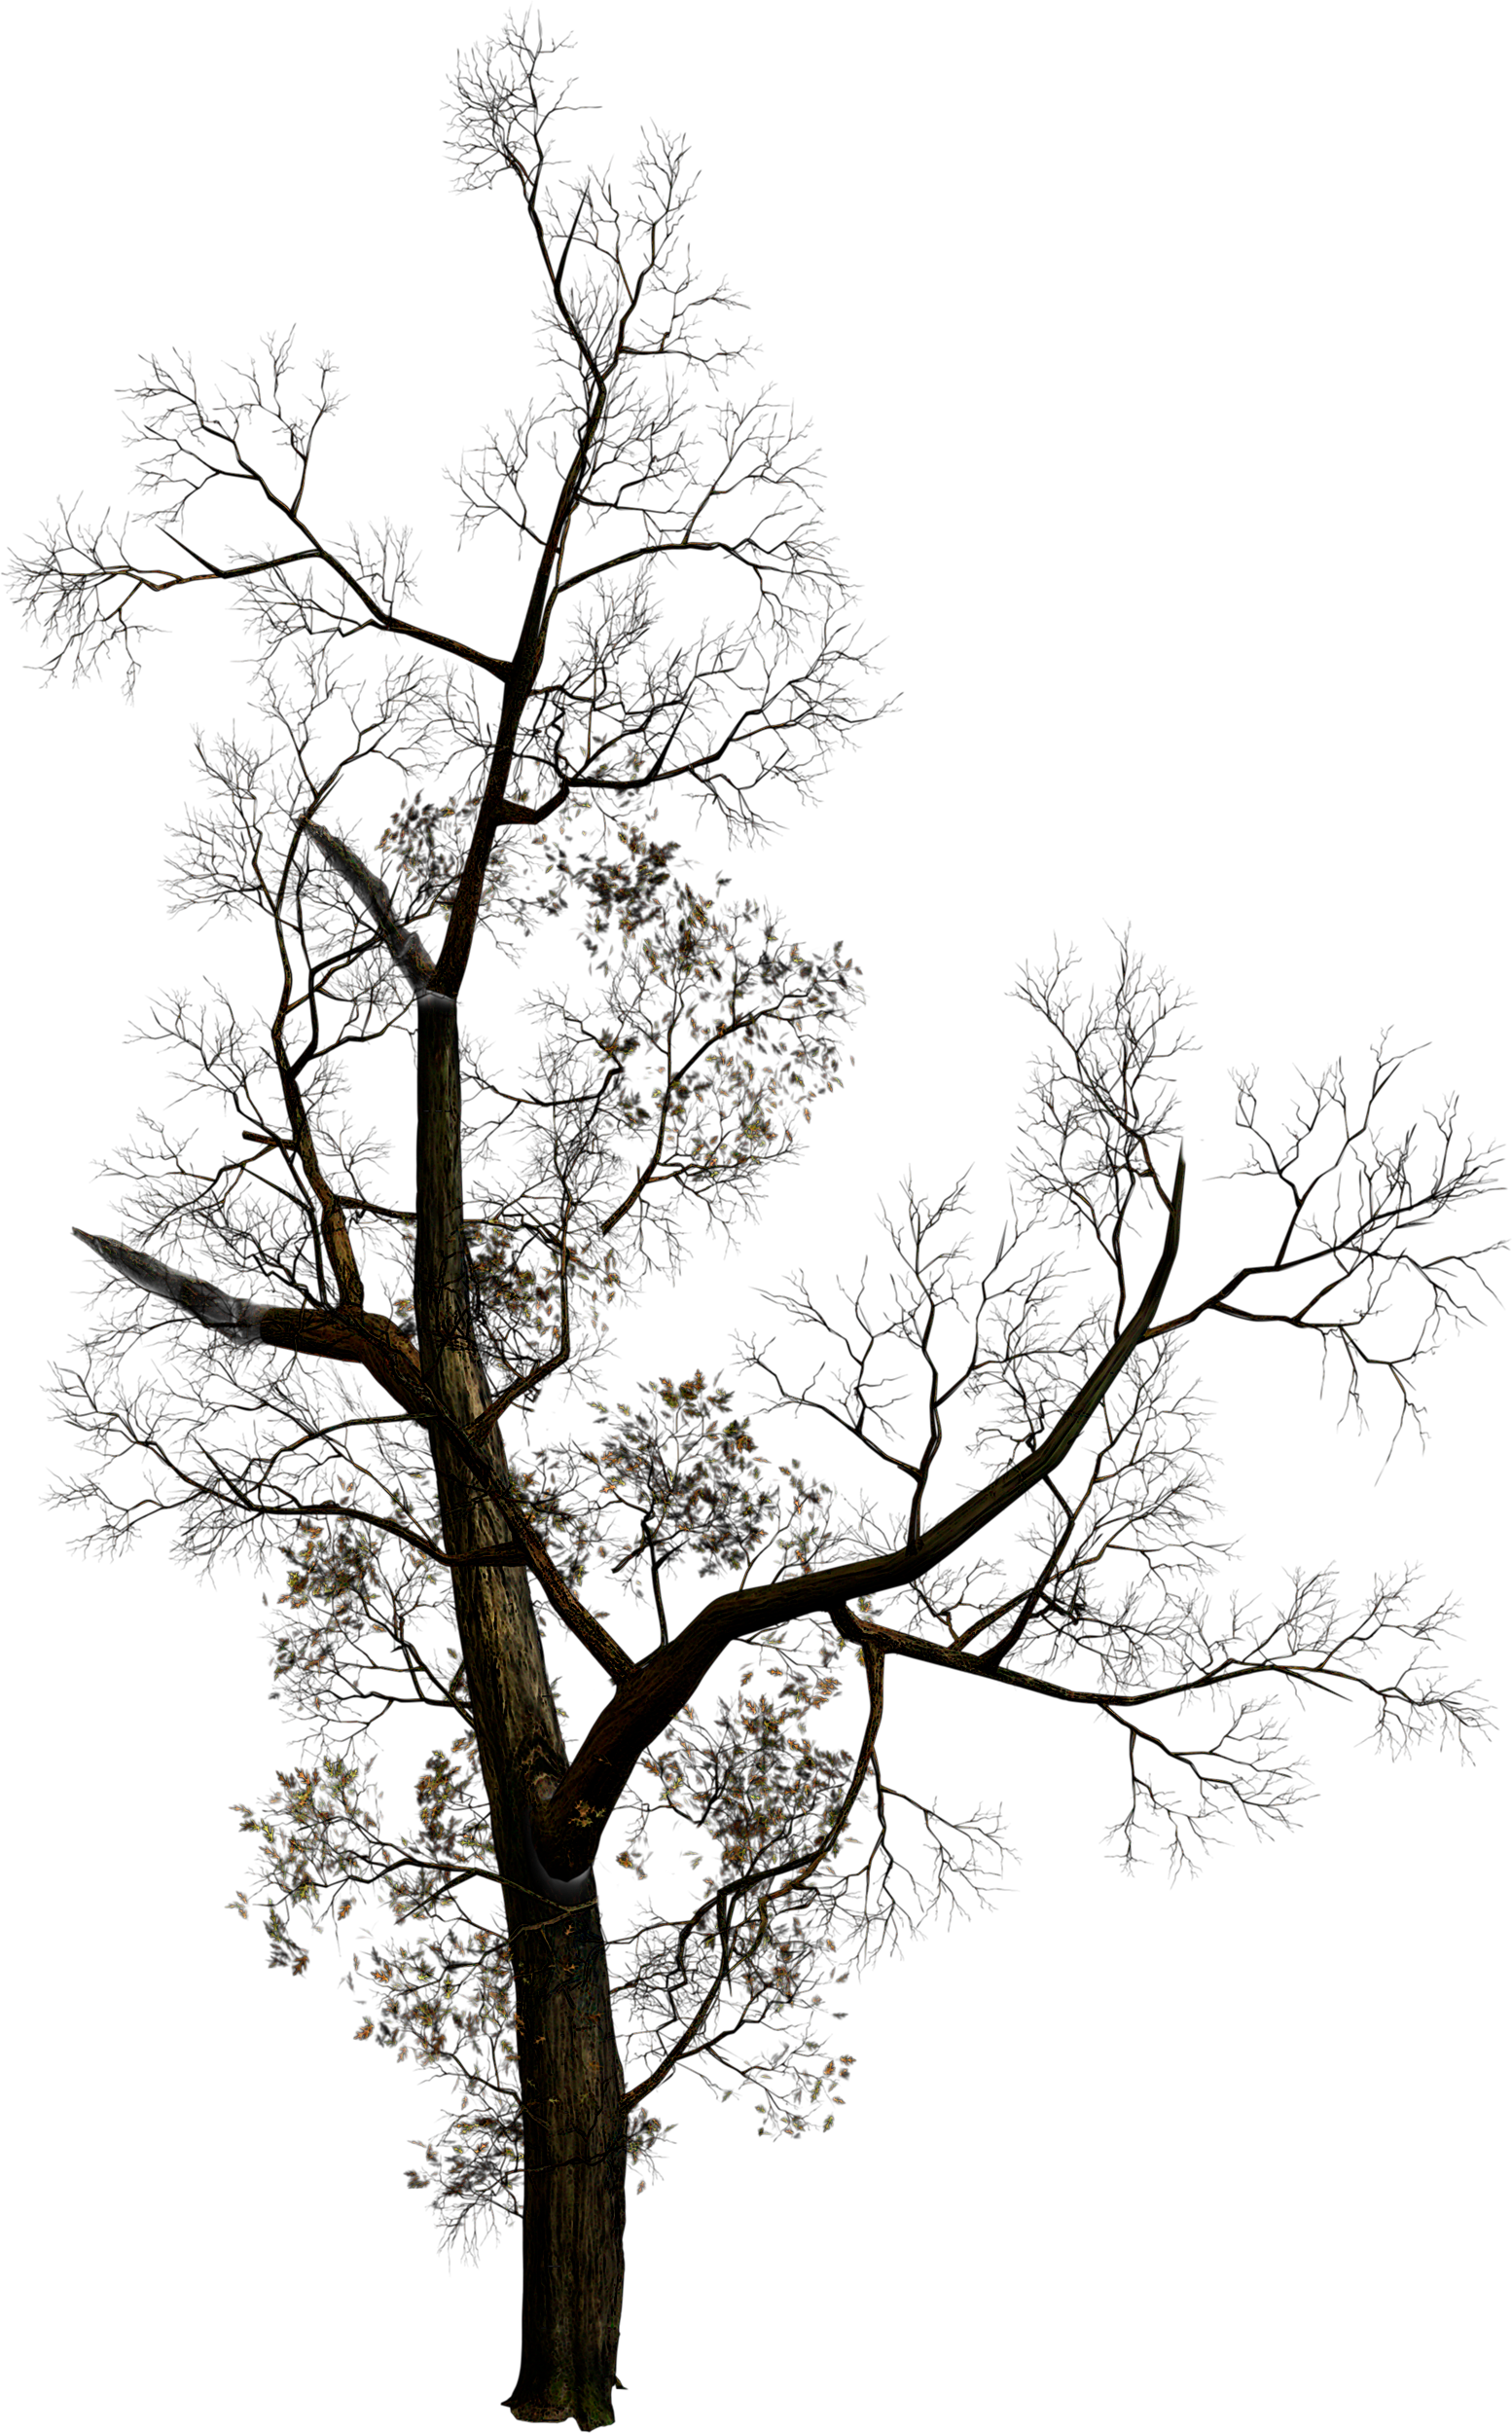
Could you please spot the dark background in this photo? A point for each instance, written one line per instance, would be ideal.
(932, 842)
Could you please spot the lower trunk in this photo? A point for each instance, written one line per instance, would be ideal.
(571, 2086)
(572, 2102)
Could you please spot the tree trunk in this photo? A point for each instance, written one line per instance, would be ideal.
(572, 2099)
(572, 2088)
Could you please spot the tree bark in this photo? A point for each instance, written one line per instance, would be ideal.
(572, 2085)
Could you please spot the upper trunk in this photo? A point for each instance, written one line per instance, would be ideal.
(571, 2086)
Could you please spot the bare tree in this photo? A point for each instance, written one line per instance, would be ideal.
(378, 792)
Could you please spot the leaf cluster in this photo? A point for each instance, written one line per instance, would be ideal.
(736, 1988)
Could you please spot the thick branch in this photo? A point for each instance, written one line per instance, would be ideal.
(403, 945)
(376, 1344)
(496, 810)
(475, 867)
(372, 1342)
(662, 1684)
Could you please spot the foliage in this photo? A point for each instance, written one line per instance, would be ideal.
(382, 1877)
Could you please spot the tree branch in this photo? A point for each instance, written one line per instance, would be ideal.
(370, 1341)
(664, 1681)
(403, 945)
(630, 556)
(335, 1232)
(378, 1345)
(494, 810)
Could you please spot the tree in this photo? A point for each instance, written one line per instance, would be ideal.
(443, 838)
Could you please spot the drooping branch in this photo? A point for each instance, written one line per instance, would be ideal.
(162, 580)
(159, 580)
(766, 1886)
(1109, 1700)
(872, 1659)
(864, 1632)
(335, 1232)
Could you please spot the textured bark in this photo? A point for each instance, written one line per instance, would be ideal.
(572, 2088)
